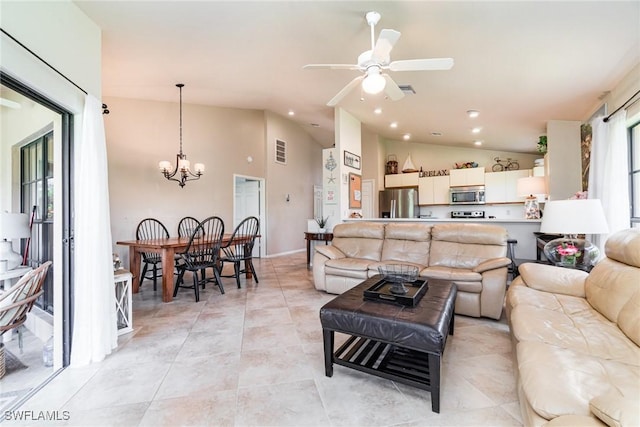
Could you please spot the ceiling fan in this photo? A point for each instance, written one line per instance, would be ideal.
(372, 62)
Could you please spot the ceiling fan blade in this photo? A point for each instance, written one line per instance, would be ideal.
(422, 64)
(331, 66)
(345, 90)
(382, 49)
(392, 90)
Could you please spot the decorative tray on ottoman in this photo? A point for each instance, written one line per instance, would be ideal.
(398, 284)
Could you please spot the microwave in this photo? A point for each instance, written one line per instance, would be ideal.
(467, 195)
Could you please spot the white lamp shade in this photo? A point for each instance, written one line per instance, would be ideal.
(14, 225)
(531, 185)
(579, 216)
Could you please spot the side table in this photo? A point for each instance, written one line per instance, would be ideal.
(15, 273)
(122, 280)
(323, 237)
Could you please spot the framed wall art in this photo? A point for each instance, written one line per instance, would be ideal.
(355, 191)
(351, 160)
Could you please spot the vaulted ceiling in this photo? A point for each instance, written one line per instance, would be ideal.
(518, 63)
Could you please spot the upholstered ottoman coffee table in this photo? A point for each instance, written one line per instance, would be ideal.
(396, 342)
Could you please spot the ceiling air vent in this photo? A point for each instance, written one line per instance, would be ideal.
(407, 89)
(281, 152)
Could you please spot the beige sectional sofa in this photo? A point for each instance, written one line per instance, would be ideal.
(576, 339)
(471, 255)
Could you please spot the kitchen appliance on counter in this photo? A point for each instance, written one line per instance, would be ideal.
(399, 203)
(473, 195)
(467, 214)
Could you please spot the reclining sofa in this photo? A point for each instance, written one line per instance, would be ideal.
(473, 256)
(576, 338)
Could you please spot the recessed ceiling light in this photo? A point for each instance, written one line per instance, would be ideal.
(473, 113)
(477, 142)
(476, 130)
(378, 110)
(393, 125)
(436, 133)
(292, 113)
(406, 136)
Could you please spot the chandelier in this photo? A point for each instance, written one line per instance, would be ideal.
(182, 168)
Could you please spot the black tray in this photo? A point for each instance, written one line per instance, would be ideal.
(381, 292)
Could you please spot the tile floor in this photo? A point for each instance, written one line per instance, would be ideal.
(254, 357)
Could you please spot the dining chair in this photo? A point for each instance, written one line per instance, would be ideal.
(202, 252)
(240, 248)
(147, 229)
(17, 301)
(186, 226)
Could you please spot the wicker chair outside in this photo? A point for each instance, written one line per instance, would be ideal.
(17, 301)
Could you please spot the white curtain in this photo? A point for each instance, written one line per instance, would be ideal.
(609, 172)
(95, 331)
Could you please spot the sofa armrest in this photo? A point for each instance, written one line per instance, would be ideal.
(492, 264)
(557, 280)
(330, 251)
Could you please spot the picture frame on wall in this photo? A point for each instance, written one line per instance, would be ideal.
(355, 191)
(351, 160)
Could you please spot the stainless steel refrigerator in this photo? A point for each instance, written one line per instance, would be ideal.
(399, 203)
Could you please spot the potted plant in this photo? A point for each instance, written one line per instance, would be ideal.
(542, 144)
(322, 223)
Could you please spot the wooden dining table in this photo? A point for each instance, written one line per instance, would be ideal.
(167, 248)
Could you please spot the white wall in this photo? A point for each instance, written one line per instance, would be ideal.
(141, 133)
(287, 221)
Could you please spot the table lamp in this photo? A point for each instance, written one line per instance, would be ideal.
(530, 187)
(12, 226)
(571, 218)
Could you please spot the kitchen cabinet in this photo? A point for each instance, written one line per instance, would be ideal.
(433, 190)
(401, 180)
(501, 187)
(466, 177)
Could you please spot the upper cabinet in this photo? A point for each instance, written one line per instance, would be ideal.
(466, 177)
(501, 187)
(401, 180)
(433, 190)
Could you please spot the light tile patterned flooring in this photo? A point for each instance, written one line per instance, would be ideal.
(253, 356)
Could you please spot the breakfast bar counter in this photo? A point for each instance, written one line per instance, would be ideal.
(519, 229)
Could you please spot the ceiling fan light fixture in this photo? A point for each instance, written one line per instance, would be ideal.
(373, 83)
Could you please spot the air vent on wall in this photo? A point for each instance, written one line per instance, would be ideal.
(281, 152)
(407, 89)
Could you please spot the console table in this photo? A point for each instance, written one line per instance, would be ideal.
(323, 237)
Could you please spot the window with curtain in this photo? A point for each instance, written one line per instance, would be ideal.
(634, 172)
(37, 198)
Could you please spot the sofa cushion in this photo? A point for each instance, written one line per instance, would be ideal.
(349, 267)
(359, 240)
(407, 242)
(449, 273)
(575, 326)
(616, 410)
(610, 286)
(552, 279)
(629, 318)
(624, 247)
(558, 381)
(466, 245)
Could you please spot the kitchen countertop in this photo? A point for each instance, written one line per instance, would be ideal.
(520, 229)
(488, 220)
